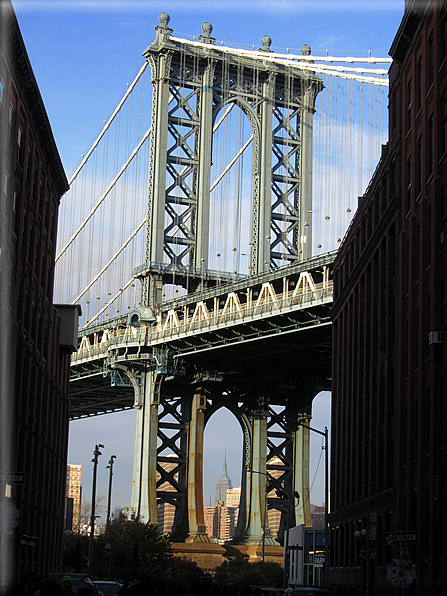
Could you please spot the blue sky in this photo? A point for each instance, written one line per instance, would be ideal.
(84, 53)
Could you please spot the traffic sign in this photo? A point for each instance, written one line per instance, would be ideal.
(407, 537)
(401, 572)
(12, 477)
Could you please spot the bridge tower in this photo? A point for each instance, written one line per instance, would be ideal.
(192, 82)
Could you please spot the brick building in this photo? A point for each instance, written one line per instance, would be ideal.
(74, 497)
(36, 337)
(389, 418)
(220, 521)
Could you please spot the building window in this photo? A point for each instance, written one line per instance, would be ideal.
(443, 44)
(52, 227)
(11, 284)
(443, 127)
(28, 165)
(419, 92)
(24, 231)
(12, 122)
(15, 215)
(41, 203)
(409, 183)
(431, 147)
(6, 195)
(20, 146)
(419, 168)
(393, 177)
(393, 112)
(431, 65)
(36, 258)
(409, 107)
(47, 214)
(34, 189)
(384, 193)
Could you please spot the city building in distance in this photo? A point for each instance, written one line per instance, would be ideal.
(74, 498)
(223, 484)
(233, 497)
(221, 517)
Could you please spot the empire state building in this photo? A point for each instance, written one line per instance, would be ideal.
(223, 484)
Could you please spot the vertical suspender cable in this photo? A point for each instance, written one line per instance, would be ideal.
(107, 125)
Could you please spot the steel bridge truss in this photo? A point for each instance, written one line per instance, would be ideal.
(259, 347)
(192, 83)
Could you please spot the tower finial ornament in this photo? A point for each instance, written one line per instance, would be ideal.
(266, 43)
(306, 50)
(207, 29)
(164, 19)
(163, 29)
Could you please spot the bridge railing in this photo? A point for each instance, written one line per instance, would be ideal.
(189, 321)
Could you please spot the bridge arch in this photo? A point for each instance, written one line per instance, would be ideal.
(234, 185)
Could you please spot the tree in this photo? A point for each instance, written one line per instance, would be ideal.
(133, 548)
(242, 573)
(86, 511)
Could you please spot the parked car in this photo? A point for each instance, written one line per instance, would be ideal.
(79, 581)
(306, 591)
(268, 591)
(108, 588)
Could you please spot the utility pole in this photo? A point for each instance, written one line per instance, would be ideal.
(109, 500)
(96, 454)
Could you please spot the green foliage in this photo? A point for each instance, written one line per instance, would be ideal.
(129, 550)
(242, 573)
(180, 574)
(135, 548)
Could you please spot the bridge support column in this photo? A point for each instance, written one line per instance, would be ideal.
(204, 174)
(157, 175)
(196, 519)
(256, 484)
(262, 241)
(301, 467)
(306, 156)
(143, 502)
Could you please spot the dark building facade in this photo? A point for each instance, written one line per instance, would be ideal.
(389, 421)
(35, 336)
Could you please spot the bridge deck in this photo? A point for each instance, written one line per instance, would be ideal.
(277, 326)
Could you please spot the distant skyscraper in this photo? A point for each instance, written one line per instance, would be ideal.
(233, 497)
(220, 521)
(74, 492)
(223, 484)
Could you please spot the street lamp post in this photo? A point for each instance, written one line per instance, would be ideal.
(294, 495)
(109, 500)
(280, 493)
(324, 434)
(96, 454)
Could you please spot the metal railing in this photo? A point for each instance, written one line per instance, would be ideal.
(184, 322)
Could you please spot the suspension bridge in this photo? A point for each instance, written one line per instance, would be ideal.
(198, 236)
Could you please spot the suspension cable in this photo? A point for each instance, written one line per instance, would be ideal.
(110, 261)
(108, 123)
(114, 181)
(111, 300)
